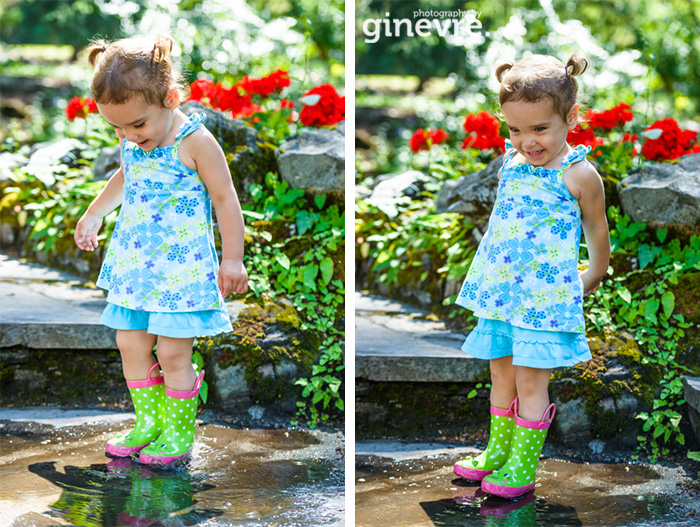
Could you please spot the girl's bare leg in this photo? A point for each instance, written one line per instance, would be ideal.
(175, 358)
(502, 382)
(136, 348)
(533, 392)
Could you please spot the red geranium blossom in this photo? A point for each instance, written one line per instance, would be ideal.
(222, 98)
(424, 139)
(273, 82)
(80, 107)
(609, 119)
(330, 108)
(583, 136)
(694, 150)
(671, 144)
(483, 131)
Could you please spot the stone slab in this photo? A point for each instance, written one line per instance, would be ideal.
(63, 417)
(691, 391)
(408, 451)
(46, 308)
(395, 342)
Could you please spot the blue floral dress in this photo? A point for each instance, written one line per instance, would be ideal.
(162, 257)
(523, 282)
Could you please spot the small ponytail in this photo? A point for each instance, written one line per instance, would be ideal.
(162, 47)
(576, 65)
(502, 70)
(96, 48)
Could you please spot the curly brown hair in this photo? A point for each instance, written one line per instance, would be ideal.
(542, 76)
(130, 67)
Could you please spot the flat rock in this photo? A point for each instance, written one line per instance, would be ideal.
(663, 192)
(50, 309)
(409, 451)
(56, 417)
(398, 343)
(314, 160)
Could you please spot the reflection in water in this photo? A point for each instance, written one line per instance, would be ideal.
(123, 492)
(470, 506)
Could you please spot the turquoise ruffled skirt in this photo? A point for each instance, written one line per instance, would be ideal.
(175, 325)
(493, 339)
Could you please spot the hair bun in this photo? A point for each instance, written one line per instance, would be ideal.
(162, 46)
(576, 64)
(502, 70)
(97, 47)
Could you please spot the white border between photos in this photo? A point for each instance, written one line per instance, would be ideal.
(349, 262)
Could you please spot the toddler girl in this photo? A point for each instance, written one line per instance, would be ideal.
(161, 270)
(523, 284)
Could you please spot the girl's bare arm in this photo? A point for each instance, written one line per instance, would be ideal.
(585, 183)
(213, 169)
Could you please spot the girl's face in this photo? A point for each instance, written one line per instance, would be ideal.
(537, 133)
(147, 125)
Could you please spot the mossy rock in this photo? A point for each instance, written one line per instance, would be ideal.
(416, 411)
(270, 350)
(62, 377)
(687, 294)
(611, 389)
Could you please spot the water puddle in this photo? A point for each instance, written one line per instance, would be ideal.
(423, 492)
(60, 476)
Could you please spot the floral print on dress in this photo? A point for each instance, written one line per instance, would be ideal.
(525, 269)
(162, 256)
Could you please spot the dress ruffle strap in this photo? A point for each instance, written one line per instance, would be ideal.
(579, 153)
(192, 124)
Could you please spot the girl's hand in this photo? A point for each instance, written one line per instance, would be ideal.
(86, 231)
(590, 284)
(233, 278)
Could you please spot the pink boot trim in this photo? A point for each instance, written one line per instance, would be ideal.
(472, 474)
(123, 451)
(187, 395)
(504, 491)
(147, 459)
(148, 381)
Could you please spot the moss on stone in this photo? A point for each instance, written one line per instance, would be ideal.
(264, 337)
(64, 377)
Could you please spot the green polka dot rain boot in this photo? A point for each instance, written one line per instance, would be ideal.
(147, 397)
(496, 453)
(517, 475)
(179, 414)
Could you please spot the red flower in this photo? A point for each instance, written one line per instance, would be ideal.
(694, 150)
(330, 108)
(419, 140)
(609, 119)
(79, 107)
(583, 136)
(222, 98)
(265, 86)
(671, 144)
(483, 131)
(438, 136)
(424, 139)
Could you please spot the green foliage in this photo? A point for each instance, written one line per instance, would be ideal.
(306, 265)
(641, 301)
(50, 201)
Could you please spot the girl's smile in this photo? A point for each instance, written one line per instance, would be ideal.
(537, 133)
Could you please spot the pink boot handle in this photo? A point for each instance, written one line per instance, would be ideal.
(148, 382)
(187, 395)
